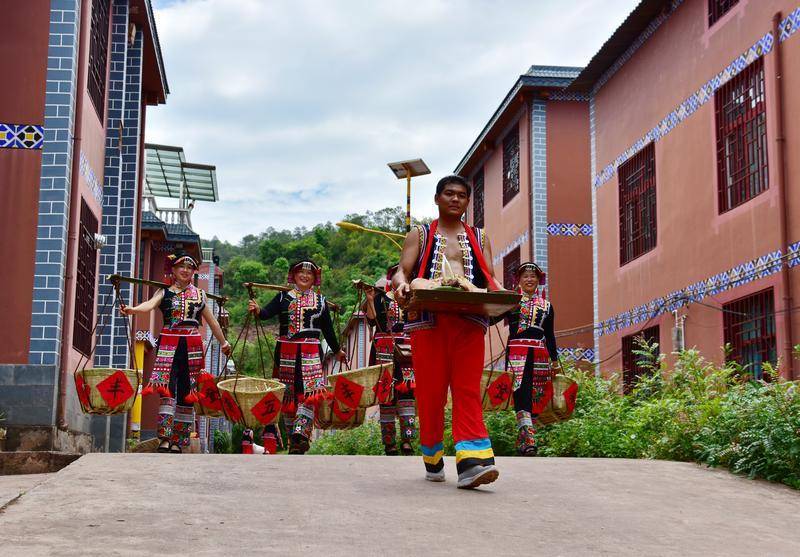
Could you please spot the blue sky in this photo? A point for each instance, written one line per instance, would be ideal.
(300, 104)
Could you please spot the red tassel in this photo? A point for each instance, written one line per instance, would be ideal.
(148, 390)
(412, 385)
(289, 408)
(164, 391)
(301, 398)
(401, 387)
(191, 398)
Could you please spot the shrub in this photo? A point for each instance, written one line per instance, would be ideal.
(694, 412)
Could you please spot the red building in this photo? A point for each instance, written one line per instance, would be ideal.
(529, 168)
(695, 125)
(80, 76)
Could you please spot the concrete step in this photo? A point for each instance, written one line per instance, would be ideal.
(153, 504)
(34, 462)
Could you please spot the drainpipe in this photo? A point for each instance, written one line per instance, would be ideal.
(780, 159)
(69, 277)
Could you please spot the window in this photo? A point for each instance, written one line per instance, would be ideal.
(477, 199)
(98, 55)
(741, 137)
(510, 265)
(718, 8)
(635, 365)
(511, 165)
(750, 331)
(84, 282)
(637, 205)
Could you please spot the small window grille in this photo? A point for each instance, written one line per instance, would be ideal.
(637, 205)
(85, 282)
(477, 199)
(511, 165)
(633, 365)
(750, 331)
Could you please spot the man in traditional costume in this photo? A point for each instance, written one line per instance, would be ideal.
(530, 353)
(303, 315)
(391, 345)
(179, 356)
(448, 348)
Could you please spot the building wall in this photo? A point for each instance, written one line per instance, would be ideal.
(694, 241)
(23, 65)
(569, 217)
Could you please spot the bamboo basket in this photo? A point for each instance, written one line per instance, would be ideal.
(120, 385)
(242, 398)
(367, 377)
(325, 418)
(207, 387)
(561, 406)
(489, 378)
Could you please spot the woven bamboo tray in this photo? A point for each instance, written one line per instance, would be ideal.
(252, 401)
(451, 300)
(107, 391)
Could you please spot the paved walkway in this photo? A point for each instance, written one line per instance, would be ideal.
(152, 504)
(11, 487)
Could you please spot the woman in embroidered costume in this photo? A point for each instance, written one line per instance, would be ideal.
(448, 348)
(389, 320)
(179, 357)
(302, 315)
(530, 353)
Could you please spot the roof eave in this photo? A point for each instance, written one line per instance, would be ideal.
(525, 83)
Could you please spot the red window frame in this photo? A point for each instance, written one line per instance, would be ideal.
(511, 164)
(98, 54)
(83, 322)
(718, 8)
(632, 367)
(477, 199)
(741, 117)
(749, 324)
(511, 263)
(637, 205)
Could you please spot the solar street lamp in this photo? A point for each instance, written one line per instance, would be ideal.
(409, 169)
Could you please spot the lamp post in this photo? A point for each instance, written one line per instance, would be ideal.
(409, 169)
(358, 228)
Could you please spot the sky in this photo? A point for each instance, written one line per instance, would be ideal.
(301, 103)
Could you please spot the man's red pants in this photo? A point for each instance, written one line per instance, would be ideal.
(451, 355)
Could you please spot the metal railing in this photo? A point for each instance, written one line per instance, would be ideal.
(170, 215)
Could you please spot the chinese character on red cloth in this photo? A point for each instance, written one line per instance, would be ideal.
(500, 390)
(542, 395)
(570, 396)
(383, 388)
(115, 389)
(232, 410)
(347, 392)
(344, 414)
(83, 390)
(267, 409)
(209, 393)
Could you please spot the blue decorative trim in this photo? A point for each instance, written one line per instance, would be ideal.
(744, 273)
(568, 96)
(790, 25)
(21, 136)
(569, 229)
(91, 178)
(576, 354)
(689, 106)
(521, 239)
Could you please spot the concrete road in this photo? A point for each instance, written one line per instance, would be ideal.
(11, 487)
(153, 504)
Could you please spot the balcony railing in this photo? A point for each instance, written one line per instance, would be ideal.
(208, 253)
(170, 215)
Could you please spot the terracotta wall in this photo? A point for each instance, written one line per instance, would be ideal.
(24, 28)
(694, 241)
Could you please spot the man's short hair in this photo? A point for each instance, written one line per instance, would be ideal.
(453, 179)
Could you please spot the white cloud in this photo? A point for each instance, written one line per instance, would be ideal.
(300, 104)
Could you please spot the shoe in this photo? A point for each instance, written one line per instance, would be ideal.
(163, 447)
(435, 476)
(477, 475)
(391, 450)
(406, 449)
(175, 448)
